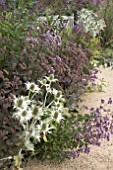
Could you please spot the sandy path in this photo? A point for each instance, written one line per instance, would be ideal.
(100, 158)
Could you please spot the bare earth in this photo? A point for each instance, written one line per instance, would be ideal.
(100, 158)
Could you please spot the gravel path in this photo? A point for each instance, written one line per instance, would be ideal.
(100, 158)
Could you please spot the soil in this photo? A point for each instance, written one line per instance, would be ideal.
(100, 158)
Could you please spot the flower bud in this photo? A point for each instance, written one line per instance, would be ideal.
(59, 94)
(44, 126)
(44, 81)
(51, 77)
(63, 100)
(56, 115)
(32, 87)
(35, 111)
(20, 101)
(24, 113)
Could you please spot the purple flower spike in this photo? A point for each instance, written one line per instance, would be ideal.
(87, 149)
(110, 101)
(108, 136)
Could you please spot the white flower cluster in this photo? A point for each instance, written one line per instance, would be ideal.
(90, 22)
(38, 118)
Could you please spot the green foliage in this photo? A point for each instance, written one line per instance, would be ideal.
(106, 11)
(22, 60)
(30, 49)
(64, 139)
(37, 114)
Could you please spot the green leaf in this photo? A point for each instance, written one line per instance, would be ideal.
(45, 138)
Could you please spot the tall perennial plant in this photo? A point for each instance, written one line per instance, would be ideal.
(90, 22)
(38, 116)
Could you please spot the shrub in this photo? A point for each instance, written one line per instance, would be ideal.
(106, 12)
(39, 52)
(8, 127)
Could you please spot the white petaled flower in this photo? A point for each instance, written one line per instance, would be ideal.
(90, 21)
(48, 89)
(51, 78)
(36, 133)
(32, 87)
(23, 115)
(45, 127)
(37, 112)
(59, 95)
(57, 116)
(44, 82)
(21, 102)
(29, 145)
(59, 106)
(54, 91)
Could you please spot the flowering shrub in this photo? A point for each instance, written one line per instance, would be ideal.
(90, 22)
(41, 52)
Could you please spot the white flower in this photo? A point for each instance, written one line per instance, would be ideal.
(23, 115)
(51, 78)
(57, 116)
(54, 91)
(45, 126)
(59, 106)
(36, 133)
(21, 102)
(90, 21)
(44, 82)
(48, 89)
(37, 112)
(32, 87)
(29, 145)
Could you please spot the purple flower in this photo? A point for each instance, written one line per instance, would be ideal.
(92, 108)
(92, 79)
(94, 84)
(102, 135)
(52, 70)
(87, 149)
(108, 136)
(106, 118)
(58, 58)
(81, 149)
(75, 154)
(2, 4)
(75, 28)
(68, 155)
(98, 120)
(110, 101)
(102, 101)
(88, 135)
